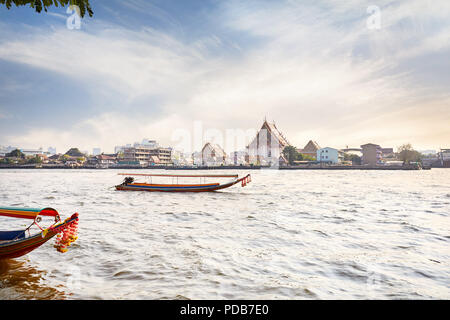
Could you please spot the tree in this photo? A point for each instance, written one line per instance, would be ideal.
(35, 159)
(354, 158)
(291, 154)
(64, 158)
(407, 154)
(120, 155)
(6, 161)
(307, 157)
(15, 154)
(38, 5)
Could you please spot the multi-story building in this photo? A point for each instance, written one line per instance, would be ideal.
(372, 154)
(329, 155)
(444, 157)
(120, 149)
(164, 155)
(147, 155)
(387, 153)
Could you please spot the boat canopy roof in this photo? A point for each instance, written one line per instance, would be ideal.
(182, 175)
(27, 213)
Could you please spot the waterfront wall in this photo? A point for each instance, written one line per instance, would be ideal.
(247, 167)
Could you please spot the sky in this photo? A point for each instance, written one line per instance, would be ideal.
(342, 73)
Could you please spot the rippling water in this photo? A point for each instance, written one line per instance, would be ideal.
(287, 235)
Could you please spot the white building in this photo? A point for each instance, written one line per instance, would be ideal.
(118, 149)
(105, 161)
(444, 157)
(197, 158)
(180, 159)
(213, 155)
(32, 152)
(152, 144)
(238, 158)
(329, 155)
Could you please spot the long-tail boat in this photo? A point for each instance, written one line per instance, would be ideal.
(175, 186)
(17, 243)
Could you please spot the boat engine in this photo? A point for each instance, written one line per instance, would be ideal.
(127, 180)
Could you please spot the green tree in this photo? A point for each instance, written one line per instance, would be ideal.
(64, 158)
(291, 154)
(120, 155)
(407, 154)
(307, 157)
(354, 158)
(38, 5)
(6, 161)
(15, 154)
(35, 159)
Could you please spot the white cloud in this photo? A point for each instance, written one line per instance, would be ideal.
(301, 69)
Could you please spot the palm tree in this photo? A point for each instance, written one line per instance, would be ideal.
(38, 5)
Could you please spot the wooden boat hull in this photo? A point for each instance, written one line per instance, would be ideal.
(210, 187)
(20, 247)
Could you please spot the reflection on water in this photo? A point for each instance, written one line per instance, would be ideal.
(21, 281)
(287, 235)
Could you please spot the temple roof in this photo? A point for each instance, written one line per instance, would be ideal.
(272, 128)
(311, 146)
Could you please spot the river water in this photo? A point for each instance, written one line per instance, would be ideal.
(306, 234)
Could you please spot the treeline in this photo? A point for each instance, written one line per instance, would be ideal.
(18, 157)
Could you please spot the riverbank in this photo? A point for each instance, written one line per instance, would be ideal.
(406, 167)
(132, 167)
(303, 167)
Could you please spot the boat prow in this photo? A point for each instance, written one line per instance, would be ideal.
(16, 243)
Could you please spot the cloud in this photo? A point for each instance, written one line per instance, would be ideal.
(314, 67)
(106, 130)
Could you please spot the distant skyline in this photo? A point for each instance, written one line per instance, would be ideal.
(322, 70)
